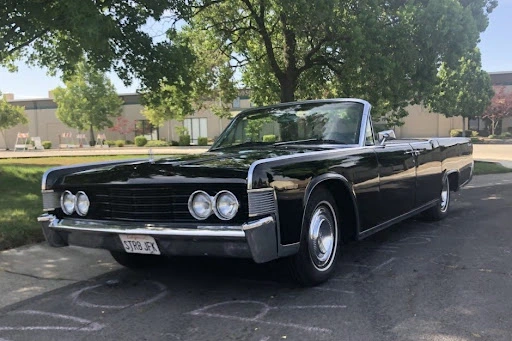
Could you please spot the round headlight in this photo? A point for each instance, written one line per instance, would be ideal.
(82, 203)
(226, 205)
(200, 205)
(67, 202)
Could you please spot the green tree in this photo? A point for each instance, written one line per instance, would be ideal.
(10, 116)
(464, 90)
(385, 51)
(212, 85)
(112, 34)
(88, 101)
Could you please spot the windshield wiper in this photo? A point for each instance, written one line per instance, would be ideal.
(316, 140)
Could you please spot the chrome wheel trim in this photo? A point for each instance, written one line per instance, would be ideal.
(445, 195)
(322, 236)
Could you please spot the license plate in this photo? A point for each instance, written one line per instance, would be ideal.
(139, 244)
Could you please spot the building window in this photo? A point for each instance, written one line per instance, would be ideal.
(146, 129)
(197, 127)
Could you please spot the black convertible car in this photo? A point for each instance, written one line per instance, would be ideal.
(291, 180)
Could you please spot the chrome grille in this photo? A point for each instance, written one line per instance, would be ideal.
(261, 202)
(51, 200)
(167, 203)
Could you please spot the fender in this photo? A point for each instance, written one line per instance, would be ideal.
(447, 173)
(53, 174)
(325, 177)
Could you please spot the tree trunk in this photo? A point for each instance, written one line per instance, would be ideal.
(5, 139)
(92, 142)
(288, 87)
(463, 126)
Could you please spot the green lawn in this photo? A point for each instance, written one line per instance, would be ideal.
(482, 167)
(20, 195)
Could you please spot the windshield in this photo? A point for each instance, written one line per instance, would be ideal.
(325, 122)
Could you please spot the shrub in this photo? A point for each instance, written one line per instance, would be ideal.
(202, 141)
(492, 136)
(175, 143)
(269, 138)
(129, 142)
(184, 140)
(474, 133)
(458, 133)
(140, 141)
(455, 132)
(475, 140)
(47, 144)
(506, 135)
(157, 143)
(110, 143)
(120, 143)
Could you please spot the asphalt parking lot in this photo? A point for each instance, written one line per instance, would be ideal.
(449, 280)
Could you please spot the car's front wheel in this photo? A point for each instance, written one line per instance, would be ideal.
(136, 261)
(315, 262)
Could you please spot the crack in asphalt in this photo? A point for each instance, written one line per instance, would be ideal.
(39, 277)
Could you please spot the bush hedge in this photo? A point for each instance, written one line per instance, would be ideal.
(120, 143)
(174, 143)
(458, 133)
(47, 144)
(269, 138)
(184, 140)
(140, 141)
(202, 141)
(157, 143)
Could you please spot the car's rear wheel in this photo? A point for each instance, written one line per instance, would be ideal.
(136, 261)
(315, 262)
(440, 211)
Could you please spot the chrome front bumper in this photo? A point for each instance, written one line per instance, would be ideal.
(256, 239)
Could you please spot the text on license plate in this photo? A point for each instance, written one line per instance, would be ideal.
(139, 244)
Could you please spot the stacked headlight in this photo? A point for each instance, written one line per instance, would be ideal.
(82, 203)
(67, 202)
(226, 205)
(201, 205)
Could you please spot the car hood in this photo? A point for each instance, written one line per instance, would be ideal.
(227, 166)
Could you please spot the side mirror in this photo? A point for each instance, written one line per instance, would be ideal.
(386, 135)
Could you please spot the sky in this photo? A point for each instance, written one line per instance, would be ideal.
(495, 45)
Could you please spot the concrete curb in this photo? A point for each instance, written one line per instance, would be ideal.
(7, 154)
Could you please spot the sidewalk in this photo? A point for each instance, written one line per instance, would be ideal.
(492, 152)
(32, 270)
(5, 154)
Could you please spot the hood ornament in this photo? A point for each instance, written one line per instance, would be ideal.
(151, 156)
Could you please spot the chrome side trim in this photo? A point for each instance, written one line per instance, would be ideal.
(256, 163)
(390, 222)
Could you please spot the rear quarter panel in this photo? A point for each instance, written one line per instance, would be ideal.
(457, 156)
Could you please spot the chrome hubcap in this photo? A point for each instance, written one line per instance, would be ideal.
(322, 236)
(445, 195)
